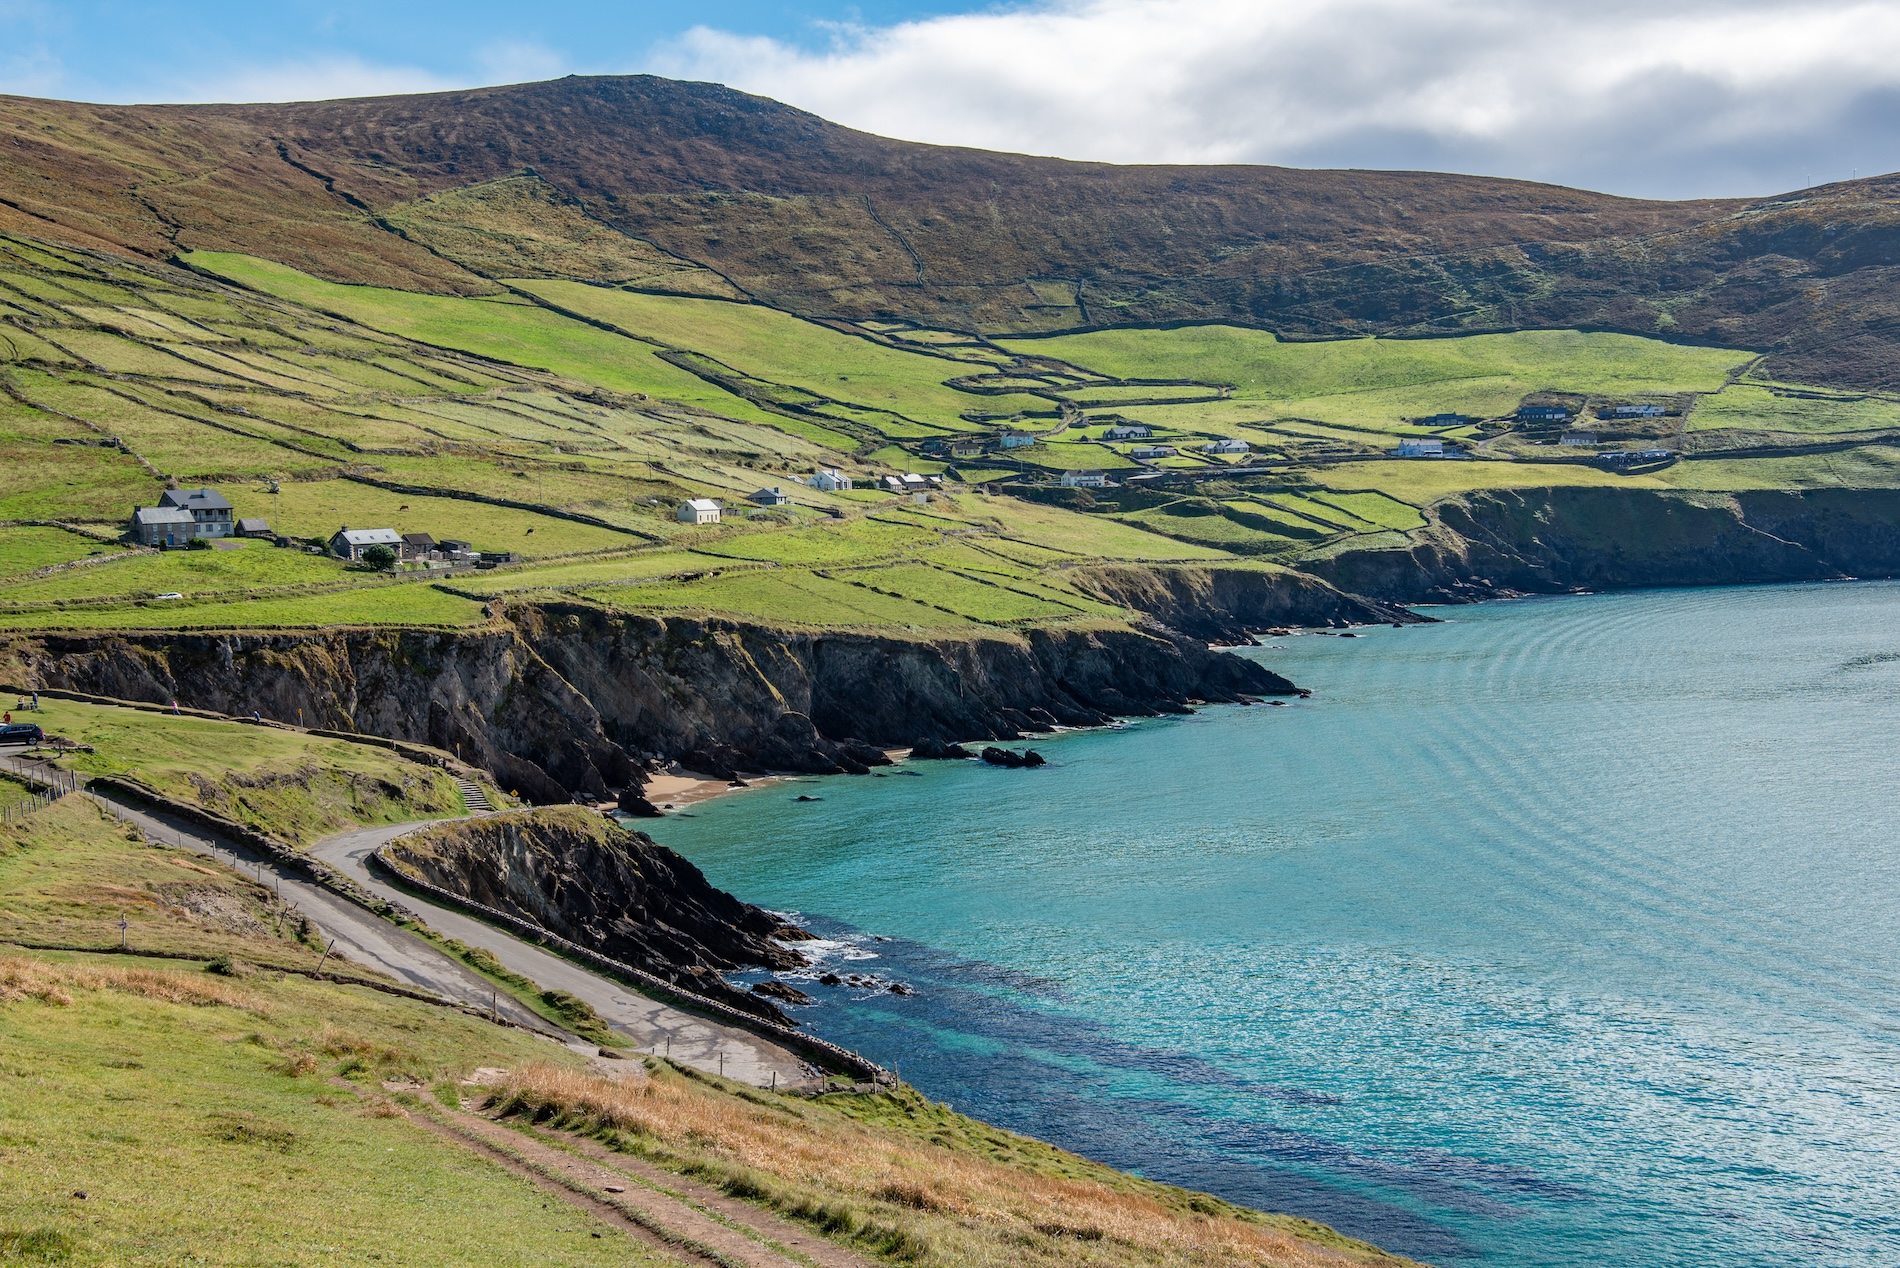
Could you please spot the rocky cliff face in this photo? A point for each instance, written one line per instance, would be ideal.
(613, 891)
(1545, 541)
(1229, 605)
(559, 700)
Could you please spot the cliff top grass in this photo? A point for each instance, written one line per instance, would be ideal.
(288, 783)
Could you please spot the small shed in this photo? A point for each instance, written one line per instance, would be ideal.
(254, 528)
(697, 511)
(350, 543)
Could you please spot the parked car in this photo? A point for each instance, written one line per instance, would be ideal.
(21, 733)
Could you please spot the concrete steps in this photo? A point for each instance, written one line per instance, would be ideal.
(473, 796)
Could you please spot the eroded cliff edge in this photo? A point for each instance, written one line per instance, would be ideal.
(560, 700)
(574, 873)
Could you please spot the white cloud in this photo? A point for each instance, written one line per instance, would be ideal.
(312, 79)
(1669, 97)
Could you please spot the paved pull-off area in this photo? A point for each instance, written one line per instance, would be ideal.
(649, 1025)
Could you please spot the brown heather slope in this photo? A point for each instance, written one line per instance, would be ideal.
(824, 220)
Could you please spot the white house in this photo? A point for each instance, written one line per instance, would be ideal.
(1421, 447)
(914, 483)
(830, 480)
(698, 511)
(1016, 439)
(1577, 438)
(1084, 480)
(768, 497)
(350, 543)
(1127, 431)
(1635, 411)
(1151, 451)
(1227, 446)
(163, 526)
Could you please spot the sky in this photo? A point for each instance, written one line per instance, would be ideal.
(1653, 98)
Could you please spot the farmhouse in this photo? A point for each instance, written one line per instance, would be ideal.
(1084, 480)
(830, 480)
(207, 507)
(163, 526)
(1443, 420)
(697, 511)
(1128, 431)
(351, 543)
(1577, 438)
(1543, 414)
(1421, 447)
(1632, 411)
(768, 497)
(1016, 439)
(1152, 451)
(417, 546)
(1227, 446)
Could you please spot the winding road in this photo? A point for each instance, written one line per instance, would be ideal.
(365, 938)
(649, 1025)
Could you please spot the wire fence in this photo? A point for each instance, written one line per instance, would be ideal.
(47, 784)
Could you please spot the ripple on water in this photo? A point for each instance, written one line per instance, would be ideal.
(1564, 932)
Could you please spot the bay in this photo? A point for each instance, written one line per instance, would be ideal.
(1559, 932)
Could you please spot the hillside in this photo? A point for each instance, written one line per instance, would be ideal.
(326, 1118)
(720, 192)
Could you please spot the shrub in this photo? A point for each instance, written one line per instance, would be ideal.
(198, 543)
(381, 558)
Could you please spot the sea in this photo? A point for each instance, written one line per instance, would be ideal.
(1558, 932)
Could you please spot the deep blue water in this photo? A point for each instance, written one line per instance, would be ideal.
(1563, 932)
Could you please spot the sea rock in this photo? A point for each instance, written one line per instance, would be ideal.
(634, 802)
(1015, 761)
(779, 990)
(930, 750)
(830, 979)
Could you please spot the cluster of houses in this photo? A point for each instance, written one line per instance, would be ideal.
(184, 515)
(1634, 457)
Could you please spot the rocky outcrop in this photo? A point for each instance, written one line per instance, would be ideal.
(1229, 604)
(567, 700)
(613, 891)
(1547, 541)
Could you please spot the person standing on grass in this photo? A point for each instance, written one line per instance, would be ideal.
(36, 702)
(174, 706)
(257, 717)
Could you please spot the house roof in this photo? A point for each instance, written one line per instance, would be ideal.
(254, 526)
(417, 539)
(701, 504)
(369, 536)
(195, 499)
(768, 495)
(162, 515)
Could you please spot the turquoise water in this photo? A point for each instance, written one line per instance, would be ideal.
(1564, 932)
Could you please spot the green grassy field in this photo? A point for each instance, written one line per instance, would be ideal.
(1260, 366)
(413, 603)
(288, 783)
(784, 349)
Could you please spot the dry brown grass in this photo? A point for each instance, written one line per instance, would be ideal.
(907, 1198)
(22, 978)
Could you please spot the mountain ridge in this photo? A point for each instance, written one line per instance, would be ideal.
(827, 221)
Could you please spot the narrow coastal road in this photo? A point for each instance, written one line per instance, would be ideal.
(649, 1025)
(360, 936)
